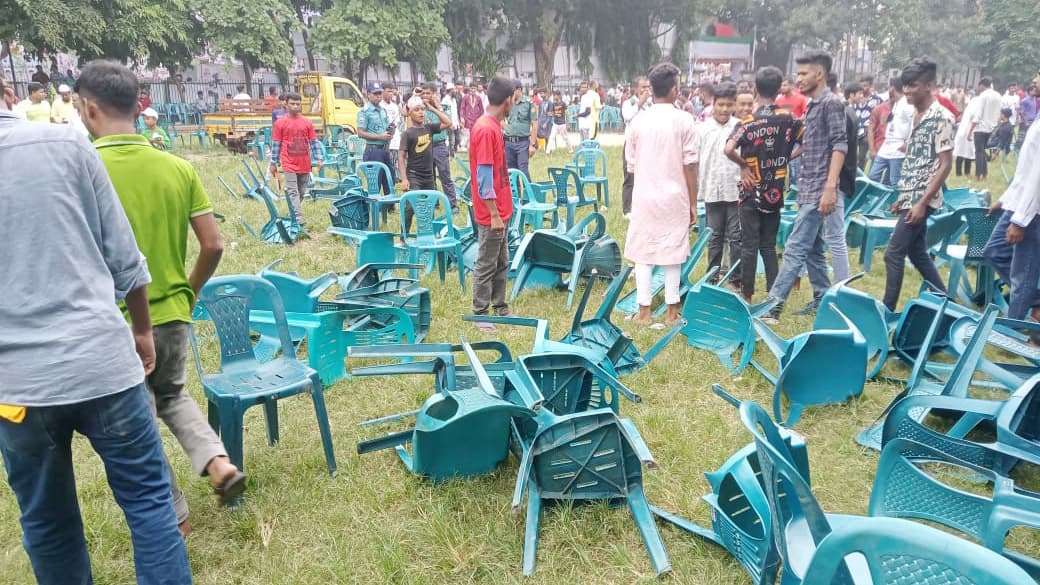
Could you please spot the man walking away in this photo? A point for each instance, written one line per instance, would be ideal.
(294, 145)
(637, 103)
(162, 197)
(441, 156)
(1014, 247)
(559, 124)
(376, 128)
(661, 152)
(492, 203)
(588, 107)
(889, 128)
(521, 131)
(763, 176)
(983, 123)
(718, 178)
(824, 145)
(929, 158)
(75, 232)
(416, 162)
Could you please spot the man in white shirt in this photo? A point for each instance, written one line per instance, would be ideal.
(393, 114)
(983, 123)
(588, 110)
(638, 102)
(1010, 100)
(887, 165)
(451, 107)
(1014, 247)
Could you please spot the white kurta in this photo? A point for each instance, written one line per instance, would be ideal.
(962, 143)
(662, 141)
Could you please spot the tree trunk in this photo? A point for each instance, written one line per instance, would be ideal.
(247, 73)
(308, 50)
(545, 56)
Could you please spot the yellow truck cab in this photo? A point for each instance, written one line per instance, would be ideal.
(326, 101)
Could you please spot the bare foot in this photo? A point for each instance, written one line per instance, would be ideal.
(643, 317)
(673, 315)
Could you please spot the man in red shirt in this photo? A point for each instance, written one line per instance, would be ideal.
(492, 202)
(294, 143)
(791, 100)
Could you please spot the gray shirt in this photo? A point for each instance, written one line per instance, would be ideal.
(825, 133)
(69, 255)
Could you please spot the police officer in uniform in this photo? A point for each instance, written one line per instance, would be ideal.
(521, 131)
(374, 126)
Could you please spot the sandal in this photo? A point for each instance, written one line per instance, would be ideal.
(231, 488)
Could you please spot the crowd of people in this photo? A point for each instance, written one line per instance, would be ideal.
(115, 220)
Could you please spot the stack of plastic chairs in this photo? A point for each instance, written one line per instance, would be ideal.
(570, 193)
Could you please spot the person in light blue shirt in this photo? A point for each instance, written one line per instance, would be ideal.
(68, 361)
(376, 128)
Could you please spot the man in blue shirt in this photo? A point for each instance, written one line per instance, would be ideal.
(375, 127)
(824, 145)
(69, 361)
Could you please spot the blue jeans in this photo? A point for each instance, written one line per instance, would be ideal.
(518, 155)
(886, 171)
(442, 168)
(121, 428)
(804, 249)
(834, 237)
(1018, 265)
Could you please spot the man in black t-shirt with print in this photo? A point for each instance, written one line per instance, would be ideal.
(762, 145)
(416, 159)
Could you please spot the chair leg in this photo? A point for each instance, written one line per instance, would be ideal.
(651, 537)
(231, 432)
(442, 264)
(213, 412)
(271, 416)
(318, 396)
(462, 271)
(534, 514)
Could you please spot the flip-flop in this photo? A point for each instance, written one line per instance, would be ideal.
(231, 488)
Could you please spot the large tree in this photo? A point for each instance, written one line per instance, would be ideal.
(259, 34)
(161, 32)
(361, 33)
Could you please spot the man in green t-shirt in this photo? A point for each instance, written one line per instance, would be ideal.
(162, 195)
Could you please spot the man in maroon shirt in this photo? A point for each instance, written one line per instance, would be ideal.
(471, 108)
(492, 202)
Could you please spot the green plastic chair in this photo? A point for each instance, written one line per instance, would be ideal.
(628, 303)
(279, 229)
(871, 317)
(261, 143)
(443, 243)
(890, 550)
(979, 225)
(578, 457)
(243, 381)
(815, 368)
(905, 488)
(570, 193)
(372, 174)
(1016, 422)
(591, 165)
(377, 285)
(530, 203)
(956, 385)
(544, 256)
(873, 224)
(458, 433)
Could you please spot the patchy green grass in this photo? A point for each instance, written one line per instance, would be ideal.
(376, 523)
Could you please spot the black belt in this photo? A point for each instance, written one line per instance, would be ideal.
(381, 145)
(518, 138)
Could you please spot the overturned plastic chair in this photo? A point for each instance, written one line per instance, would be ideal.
(628, 304)
(825, 366)
(244, 381)
(872, 319)
(741, 521)
(863, 549)
(375, 285)
(1014, 426)
(544, 256)
(579, 457)
(956, 385)
(907, 485)
(279, 229)
(458, 433)
(716, 319)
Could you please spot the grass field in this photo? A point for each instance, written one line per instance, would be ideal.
(376, 523)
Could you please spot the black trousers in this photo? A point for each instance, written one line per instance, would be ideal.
(981, 142)
(963, 163)
(908, 241)
(758, 236)
(724, 220)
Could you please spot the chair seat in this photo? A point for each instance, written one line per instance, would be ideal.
(880, 222)
(431, 245)
(277, 378)
(594, 179)
(956, 251)
(538, 207)
(800, 548)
